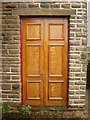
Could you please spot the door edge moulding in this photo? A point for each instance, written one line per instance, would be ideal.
(42, 12)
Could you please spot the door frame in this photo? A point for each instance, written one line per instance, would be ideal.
(44, 16)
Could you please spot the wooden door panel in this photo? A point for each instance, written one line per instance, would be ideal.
(44, 61)
(56, 31)
(33, 60)
(33, 31)
(55, 90)
(34, 90)
(55, 60)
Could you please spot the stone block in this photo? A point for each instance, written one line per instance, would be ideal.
(82, 92)
(77, 92)
(15, 77)
(75, 70)
(84, 5)
(84, 55)
(4, 77)
(79, 101)
(74, 56)
(80, 83)
(6, 69)
(15, 69)
(53, 5)
(44, 5)
(6, 86)
(82, 97)
(13, 96)
(4, 96)
(13, 51)
(84, 68)
(22, 5)
(32, 5)
(83, 87)
(65, 5)
(75, 29)
(78, 34)
(74, 97)
(76, 5)
(12, 5)
(74, 87)
(71, 92)
(15, 86)
(81, 25)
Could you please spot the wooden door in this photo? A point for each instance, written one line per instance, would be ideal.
(44, 61)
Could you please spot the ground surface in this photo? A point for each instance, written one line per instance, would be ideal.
(53, 113)
(46, 115)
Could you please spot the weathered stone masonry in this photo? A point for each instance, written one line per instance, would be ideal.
(11, 78)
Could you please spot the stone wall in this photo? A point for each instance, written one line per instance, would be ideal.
(11, 78)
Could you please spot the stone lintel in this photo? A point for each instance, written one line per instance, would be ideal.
(42, 12)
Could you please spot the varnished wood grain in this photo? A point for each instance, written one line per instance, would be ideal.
(45, 61)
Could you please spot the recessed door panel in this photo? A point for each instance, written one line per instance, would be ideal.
(55, 60)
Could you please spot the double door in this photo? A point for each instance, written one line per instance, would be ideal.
(44, 61)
